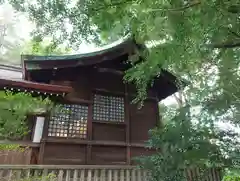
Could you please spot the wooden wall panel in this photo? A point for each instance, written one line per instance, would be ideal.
(142, 120)
(34, 156)
(108, 155)
(64, 154)
(15, 157)
(109, 82)
(96, 149)
(109, 132)
(82, 88)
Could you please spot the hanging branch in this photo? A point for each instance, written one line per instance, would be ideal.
(176, 9)
(227, 44)
(234, 33)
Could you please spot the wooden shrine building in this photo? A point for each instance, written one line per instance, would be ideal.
(102, 126)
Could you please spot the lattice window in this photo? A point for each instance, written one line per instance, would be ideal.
(108, 108)
(70, 122)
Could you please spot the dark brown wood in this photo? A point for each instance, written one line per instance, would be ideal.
(84, 142)
(61, 151)
(28, 76)
(89, 154)
(109, 123)
(77, 100)
(109, 132)
(108, 155)
(15, 156)
(51, 160)
(127, 121)
(44, 136)
(22, 143)
(45, 126)
(90, 131)
(113, 71)
(34, 156)
(128, 155)
(36, 86)
(41, 152)
(159, 121)
(140, 145)
(119, 93)
(142, 119)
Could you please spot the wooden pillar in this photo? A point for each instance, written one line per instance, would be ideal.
(89, 130)
(44, 137)
(41, 152)
(127, 121)
(158, 117)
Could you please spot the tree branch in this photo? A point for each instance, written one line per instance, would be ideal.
(234, 33)
(176, 9)
(112, 5)
(228, 44)
(234, 9)
(149, 10)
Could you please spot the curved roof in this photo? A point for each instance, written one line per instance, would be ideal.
(114, 50)
(9, 71)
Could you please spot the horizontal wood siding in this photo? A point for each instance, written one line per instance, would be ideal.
(15, 157)
(109, 82)
(142, 120)
(64, 154)
(108, 132)
(108, 155)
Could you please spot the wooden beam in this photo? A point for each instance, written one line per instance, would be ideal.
(158, 117)
(44, 137)
(21, 143)
(77, 100)
(41, 152)
(108, 70)
(35, 86)
(89, 130)
(46, 125)
(75, 160)
(130, 95)
(109, 123)
(75, 141)
(127, 121)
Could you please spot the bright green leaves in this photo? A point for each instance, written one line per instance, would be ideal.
(44, 47)
(14, 109)
(183, 144)
(11, 147)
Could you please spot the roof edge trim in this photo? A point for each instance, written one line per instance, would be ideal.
(107, 48)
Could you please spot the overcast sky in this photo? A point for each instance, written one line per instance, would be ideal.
(23, 26)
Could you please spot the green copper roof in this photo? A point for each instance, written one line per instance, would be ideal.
(99, 51)
(116, 49)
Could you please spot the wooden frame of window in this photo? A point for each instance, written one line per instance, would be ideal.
(70, 124)
(108, 108)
